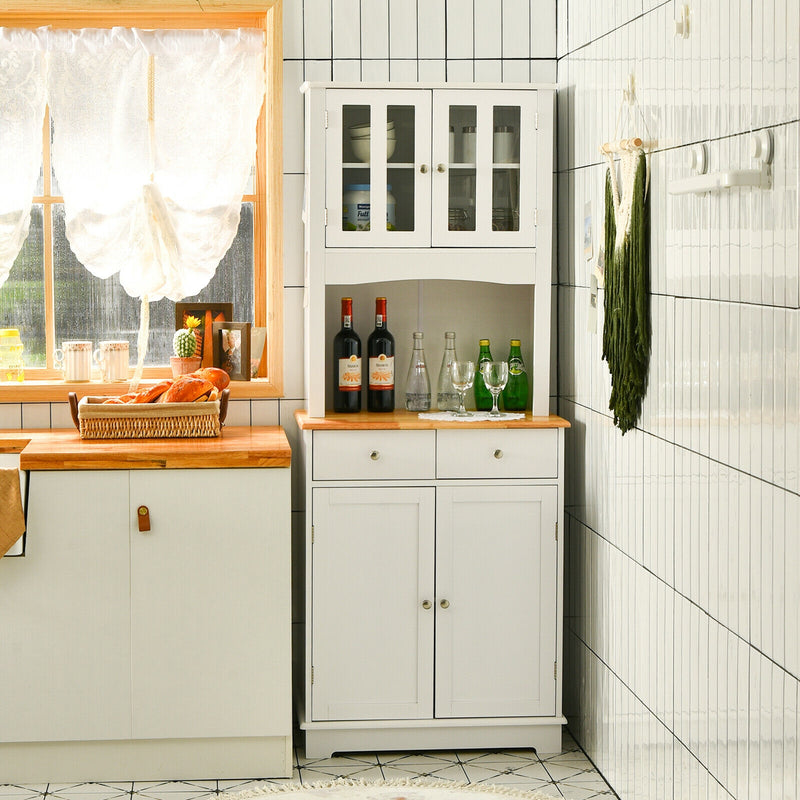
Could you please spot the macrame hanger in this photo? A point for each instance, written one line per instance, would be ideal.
(629, 150)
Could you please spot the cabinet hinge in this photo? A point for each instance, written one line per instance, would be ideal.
(555, 671)
(535, 217)
(535, 120)
(312, 538)
(326, 118)
(312, 674)
(312, 534)
(325, 218)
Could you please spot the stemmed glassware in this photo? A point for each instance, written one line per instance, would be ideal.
(462, 374)
(495, 376)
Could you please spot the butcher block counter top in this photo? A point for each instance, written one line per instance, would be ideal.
(412, 421)
(237, 447)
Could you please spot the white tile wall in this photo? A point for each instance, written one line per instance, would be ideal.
(682, 637)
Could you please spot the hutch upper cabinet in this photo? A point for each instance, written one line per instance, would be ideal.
(440, 183)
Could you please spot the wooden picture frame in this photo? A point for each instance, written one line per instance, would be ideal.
(232, 349)
(207, 313)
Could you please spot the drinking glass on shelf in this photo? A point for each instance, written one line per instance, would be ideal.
(462, 374)
(495, 376)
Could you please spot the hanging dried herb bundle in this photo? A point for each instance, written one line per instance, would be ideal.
(626, 332)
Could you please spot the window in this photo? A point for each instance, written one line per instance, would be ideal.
(52, 297)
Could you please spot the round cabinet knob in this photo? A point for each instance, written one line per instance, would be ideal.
(426, 604)
(423, 169)
(441, 168)
(445, 604)
(498, 454)
(375, 455)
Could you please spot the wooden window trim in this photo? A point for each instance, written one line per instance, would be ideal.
(268, 221)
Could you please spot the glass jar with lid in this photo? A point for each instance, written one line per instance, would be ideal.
(11, 366)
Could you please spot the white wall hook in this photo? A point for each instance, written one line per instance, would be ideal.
(682, 24)
(698, 160)
(761, 146)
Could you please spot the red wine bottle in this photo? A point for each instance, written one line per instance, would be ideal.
(380, 349)
(347, 363)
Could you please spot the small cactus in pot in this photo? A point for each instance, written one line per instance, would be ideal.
(185, 347)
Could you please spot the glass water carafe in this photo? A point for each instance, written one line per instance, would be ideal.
(446, 395)
(418, 385)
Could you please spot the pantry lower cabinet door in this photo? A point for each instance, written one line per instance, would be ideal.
(372, 603)
(496, 623)
(210, 618)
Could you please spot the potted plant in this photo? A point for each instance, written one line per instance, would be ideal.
(185, 347)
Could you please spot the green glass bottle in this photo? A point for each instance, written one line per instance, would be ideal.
(515, 395)
(483, 397)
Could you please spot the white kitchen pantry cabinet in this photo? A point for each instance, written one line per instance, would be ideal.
(461, 179)
(173, 641)
(433, 595)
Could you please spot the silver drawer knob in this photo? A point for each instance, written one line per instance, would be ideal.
(445, 604)
(426, 604)
(498, 454)
(375, 455)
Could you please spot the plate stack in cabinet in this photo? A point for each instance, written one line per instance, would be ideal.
(433, 561)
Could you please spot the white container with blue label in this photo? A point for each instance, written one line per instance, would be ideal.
(355, 207)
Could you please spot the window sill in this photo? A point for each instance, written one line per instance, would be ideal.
(53, 391)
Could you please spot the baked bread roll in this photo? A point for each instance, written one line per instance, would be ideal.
(214, 375)
(155, 391)
(187, 389)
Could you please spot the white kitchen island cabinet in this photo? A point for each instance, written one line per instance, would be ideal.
(149, 653)
(433, 583)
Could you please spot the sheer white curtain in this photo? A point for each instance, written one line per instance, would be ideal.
(22, 102)
(154, 138)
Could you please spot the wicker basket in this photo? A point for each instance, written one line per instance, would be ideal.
(95, 419)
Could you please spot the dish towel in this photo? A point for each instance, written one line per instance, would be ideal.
(12, 518)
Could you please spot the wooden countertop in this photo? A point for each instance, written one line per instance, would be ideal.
(411, 421)
(237, 447)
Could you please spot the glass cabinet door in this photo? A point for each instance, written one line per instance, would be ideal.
(484, 168)
(371, 177)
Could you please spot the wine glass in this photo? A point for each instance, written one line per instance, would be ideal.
(495, 376)
(462, 374)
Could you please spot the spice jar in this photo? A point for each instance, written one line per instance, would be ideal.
(503, 144)
(468, 144)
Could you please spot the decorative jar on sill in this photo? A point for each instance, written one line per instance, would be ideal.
(11, 366)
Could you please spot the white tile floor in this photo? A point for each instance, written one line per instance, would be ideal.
(568, 774)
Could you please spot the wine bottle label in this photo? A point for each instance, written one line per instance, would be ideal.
(381, 372)
(347, 321)
(350, 374)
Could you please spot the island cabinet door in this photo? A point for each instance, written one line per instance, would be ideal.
(64, 613)
(496, 567)
(372, 603)
(210, 618)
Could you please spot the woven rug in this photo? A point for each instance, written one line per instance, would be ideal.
(388, 790)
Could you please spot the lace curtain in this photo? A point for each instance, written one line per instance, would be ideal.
(22, 102)
(154, 138)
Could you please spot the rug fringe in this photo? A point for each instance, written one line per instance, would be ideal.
(488, 788)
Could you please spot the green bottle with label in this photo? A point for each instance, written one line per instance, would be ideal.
(515, 395)
(483, 397)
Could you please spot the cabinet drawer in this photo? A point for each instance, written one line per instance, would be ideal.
(373, 455)
(497, 454)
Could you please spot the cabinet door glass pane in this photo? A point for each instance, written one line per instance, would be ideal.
(355, 168)
(505, 169)
(400, 171)
(361, 170)
(462, 184)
